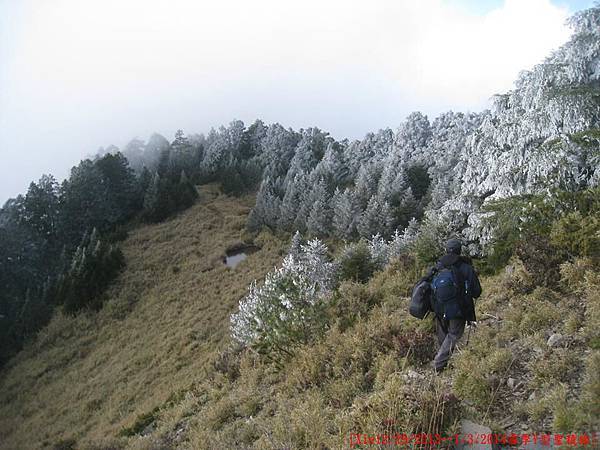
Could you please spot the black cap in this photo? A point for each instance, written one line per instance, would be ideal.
(453, 246)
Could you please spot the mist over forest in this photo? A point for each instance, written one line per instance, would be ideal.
(340, 229)
(79, 76)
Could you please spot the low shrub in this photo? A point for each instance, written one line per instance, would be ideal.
(577, 235)
(555, 366)
(541, 260)
(478, 369)
(356, 264)
(350, 302)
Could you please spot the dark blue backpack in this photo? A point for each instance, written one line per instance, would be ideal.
(420, 300)
(447, 293)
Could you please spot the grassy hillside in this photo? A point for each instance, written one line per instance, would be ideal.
(370, 374)
(90, 377)
(155, 369)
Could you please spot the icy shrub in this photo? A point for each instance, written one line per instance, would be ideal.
(379, 249)
(429, 243)
(288, 308)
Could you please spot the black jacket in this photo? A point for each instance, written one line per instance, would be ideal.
(467, 273)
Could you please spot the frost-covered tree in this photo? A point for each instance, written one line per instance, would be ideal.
(287, 309)
(374, 147)
(366, 183)
(308, 152)
(293, 199)
(296, 245)
(377, 218)
(316, 265)
(304, 204)
(277, 150)
(346, 213)
(332, 168)
(319, 218)
(379, 249)
(401, 243)
(266, 209)
(412, 137)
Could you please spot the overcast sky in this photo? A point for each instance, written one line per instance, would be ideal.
(76, 75)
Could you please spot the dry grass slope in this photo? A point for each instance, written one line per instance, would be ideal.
(90, 377)
(153, 370)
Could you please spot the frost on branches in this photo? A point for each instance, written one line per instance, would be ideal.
(287, 308)
(543, 134)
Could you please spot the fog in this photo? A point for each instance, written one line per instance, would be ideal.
(77, 75)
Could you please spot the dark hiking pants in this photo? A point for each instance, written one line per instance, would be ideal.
(448, 333)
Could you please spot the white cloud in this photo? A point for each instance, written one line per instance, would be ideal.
(77, 75)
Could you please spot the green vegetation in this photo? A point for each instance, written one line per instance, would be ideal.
(588, 90)
(587, 138)
(155, 367)
(517, 220)
(94, 266)
(356, 263)
(158, 333)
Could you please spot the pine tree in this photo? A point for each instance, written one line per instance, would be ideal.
(41, 207)
(153, 150)
(266, 209)
(93, 267)
(377, 218)
(181, 142)
(292, 201)
(346, 213)
(332, 168)
(134, 152)
(186, 192)
(152, 200)
(144, 181)
(379, 251)
(278, 147)
(319, 219)
(366, 183)
(288, 309)
(303, 206)
(296, 246)
(402, 242)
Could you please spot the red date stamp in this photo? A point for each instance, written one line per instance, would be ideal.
(437, 440)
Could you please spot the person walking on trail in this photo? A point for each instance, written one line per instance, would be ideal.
(454, 285)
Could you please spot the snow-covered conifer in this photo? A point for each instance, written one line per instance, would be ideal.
(377, 218)
(346, 213)
(319, 218)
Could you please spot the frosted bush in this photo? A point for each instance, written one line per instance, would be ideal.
(286, 308)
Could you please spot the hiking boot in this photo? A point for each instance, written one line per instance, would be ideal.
(437, 369)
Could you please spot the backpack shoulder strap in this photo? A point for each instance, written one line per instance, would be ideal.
(431, 273)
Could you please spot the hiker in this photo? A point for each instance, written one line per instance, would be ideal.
(454, 286)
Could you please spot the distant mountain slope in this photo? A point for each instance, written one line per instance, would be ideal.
(91, 376)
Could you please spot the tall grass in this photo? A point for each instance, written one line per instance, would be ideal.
(90, 377)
